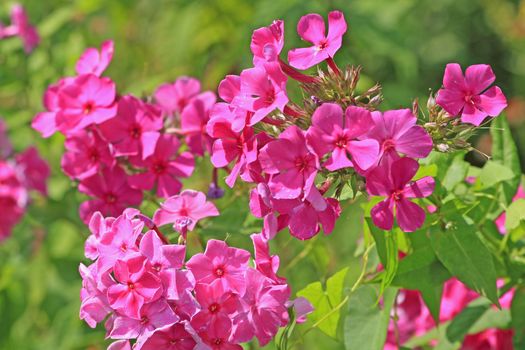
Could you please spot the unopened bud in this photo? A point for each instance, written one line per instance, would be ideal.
(215, 192)
(443, 147)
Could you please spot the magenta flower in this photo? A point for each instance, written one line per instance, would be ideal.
(218, 337)
(193, 123)
(151, 316)
(307, 218)
(394, 183)
(95, 62)
(161, 256)
(217, 306)
(33, 170)
(331, 131)
(312, 29)
(94, 304)
(173, 98)
(164, 167)
(397, 132)
(135, 130)
(293, 171)
(21, 27)
(83, 101)
(170, 337)
(267, 43)
(185, 210)
(229, 87)
(470, 95)
(263, 89)
(264, 262)
(111, 191)
(136, 286)
(45, 122)
(221, 263)
(86, 153)
(239, 147)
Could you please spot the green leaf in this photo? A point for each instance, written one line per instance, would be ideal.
(460, 325)
(422, 271)
(494, 173)
(324, 301)
(456, 172)
(463, 253)
(504, 152)
(517, 311)
(386, 245)
(515, 214)
(367, 322)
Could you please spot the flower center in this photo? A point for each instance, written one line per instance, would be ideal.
(397, 195)
(88, 107)
(217, 341)
(159, 167)
(135, 131)
(214, 308)
(270, 97)
(131, 285)
(341, 141)
(219, 271)
(301, 163)
(94, 155)
(144, 320)
(322, 45)
(110, 198)
(388, 145)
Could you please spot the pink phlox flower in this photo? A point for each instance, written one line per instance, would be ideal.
(470, 95)
(21, 27)
(193, 123)
(220, 263)
(94, 304)
(185, 210)
(151, 317)
(111, 191)
(86, 153)
(293, 171)
(174, 97)
(308, 216)
(135, 129)
(343, 135)
(311, 28)
(395, 184)
(170, 337)
(302, 307)
(267, 43)
(161, 256)
(33, 170)
(229, 88)
(164, 168)
(94, 61)
(397, 132)
(120, 345)
(135, 285)
(263, 90)
(217, 337)
(83, 101)
(45, 122)
(264, 262)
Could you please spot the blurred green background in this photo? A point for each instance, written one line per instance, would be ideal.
(404, 44)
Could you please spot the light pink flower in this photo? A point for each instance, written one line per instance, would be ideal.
(21, 27)
(161, 256)
(343, 135)
(120, 345)
(173, 98)
(84, 100)
(229, 87)
(193, 123)
(312, 29)
(45, 122)
(135, 129)
(263, 90)
(397, 132)
(267, 43)
(164, 167)
(185, 209)
(290, 162)
(33, 170)
(136, 286)
(470, 95)
(111, 191)
(394, 183)
(94, 304)
(86, 153)
(151, 316)
(94, 61)
(221, 263)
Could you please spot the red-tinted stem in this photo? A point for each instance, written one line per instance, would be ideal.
(161, 235)
(295, 74)
(325, 186)
(289, 110)
(331, 63)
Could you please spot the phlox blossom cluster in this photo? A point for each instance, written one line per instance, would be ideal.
(20, 173)
(118, 146)
(296, 154)
(20, 27)
(149, 296)
(414, 318)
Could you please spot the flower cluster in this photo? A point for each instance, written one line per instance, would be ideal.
(414, 319)
(148, 293)
(19, 174)
(118, 146)
(20, 27)
(302, 155)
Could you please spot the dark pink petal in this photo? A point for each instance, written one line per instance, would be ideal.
(420, 188)
(382, 215)
(287, 185)
(403, 170)
(229, 87)
(493, 101)
(326, 116)
(410, 216)
(339, 159)
(452, 101)
(358, 121)
(473, 115)
(478, 77)
(364, 153)
(453, 78)
(378, 182)
(303, 223)
(415, 142)
(311, 28)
